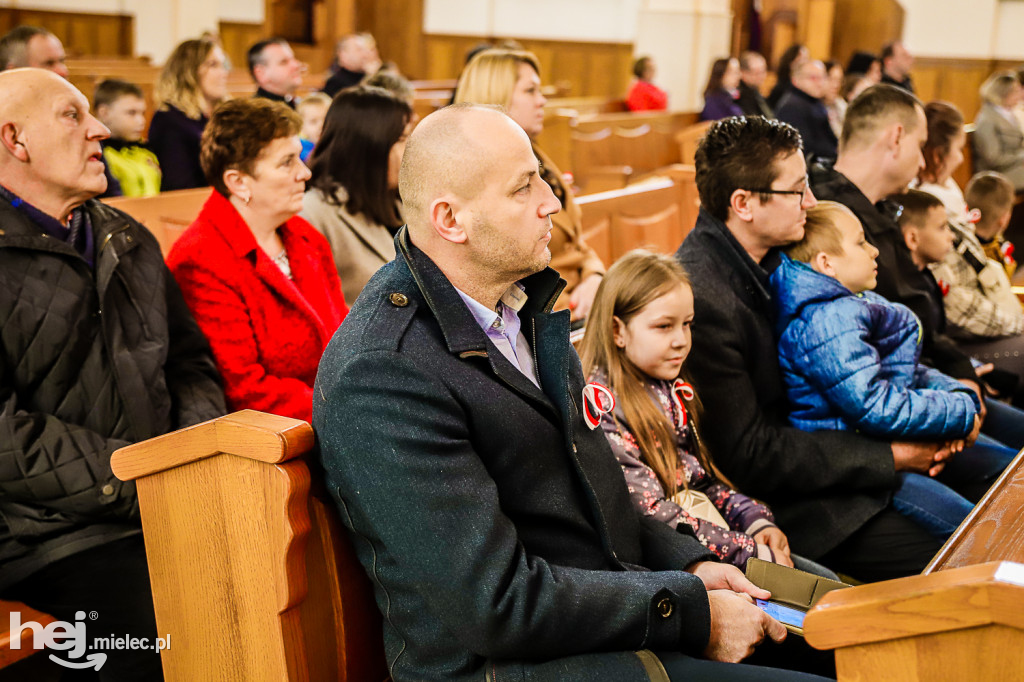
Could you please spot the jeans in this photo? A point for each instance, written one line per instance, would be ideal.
(974, 470)
(930, 503)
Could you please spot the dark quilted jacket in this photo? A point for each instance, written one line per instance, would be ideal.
(90, 360)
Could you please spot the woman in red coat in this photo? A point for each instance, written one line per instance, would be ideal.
(260, 281)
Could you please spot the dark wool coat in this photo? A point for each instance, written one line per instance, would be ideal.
(821, 486)
(495, 526)
(91, 359)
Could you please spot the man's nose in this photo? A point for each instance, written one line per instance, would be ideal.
(550, 205)
(96, 129)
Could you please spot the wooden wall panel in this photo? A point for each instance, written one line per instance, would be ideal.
(586, 69)
(954, 80)
(236, 37)
(865, 25)
(107, 35)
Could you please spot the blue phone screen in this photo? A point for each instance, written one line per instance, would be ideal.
(783, 614)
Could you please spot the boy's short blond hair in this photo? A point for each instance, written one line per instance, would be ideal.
(314, 98)
(820, 232)
(992, 194)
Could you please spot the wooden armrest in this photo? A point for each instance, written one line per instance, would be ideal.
(957, 599)
(248, 433)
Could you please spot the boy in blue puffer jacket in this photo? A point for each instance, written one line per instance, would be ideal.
(850, 360)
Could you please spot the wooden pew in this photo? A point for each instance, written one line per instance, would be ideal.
(167, 214)
(608, 150)
(646, 215)
(685, 176)
(994, 530)
(253, 576)
(961, 624)
(689, 138)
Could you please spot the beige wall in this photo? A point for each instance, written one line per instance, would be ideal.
(973, 29)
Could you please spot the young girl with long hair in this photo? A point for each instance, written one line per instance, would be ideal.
(637, 337)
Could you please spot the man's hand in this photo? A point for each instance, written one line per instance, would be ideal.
(976, 387)
(922, 458)
(778, 542)
(582, 297)
(718, 576)
(737, 626)
(972, 437)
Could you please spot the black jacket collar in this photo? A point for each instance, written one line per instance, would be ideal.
(755, 275)
(465, 338)
(290, 101)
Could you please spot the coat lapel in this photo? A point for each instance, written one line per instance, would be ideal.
(461, 332)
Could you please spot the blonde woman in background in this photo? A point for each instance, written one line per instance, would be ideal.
(511, 79)
(193, 82)
(998, 140)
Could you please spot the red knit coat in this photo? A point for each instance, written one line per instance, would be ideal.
(267, 332)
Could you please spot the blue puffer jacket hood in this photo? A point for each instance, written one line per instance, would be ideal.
(850, 362)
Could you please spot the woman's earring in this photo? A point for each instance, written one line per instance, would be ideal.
(248, 198)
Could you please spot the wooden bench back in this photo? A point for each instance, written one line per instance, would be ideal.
(994, 530)
(689, 138)
(167, 214)
(646, 215)
(253, 576)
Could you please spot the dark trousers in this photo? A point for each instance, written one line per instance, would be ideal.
(889, 545)
(113, 582)
(686, 669)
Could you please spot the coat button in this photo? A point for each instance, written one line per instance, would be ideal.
(107, 490)
(665, 607)
(399, 300)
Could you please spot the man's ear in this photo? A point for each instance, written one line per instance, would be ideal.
(9, 139)
(894, 136)
(739, 202)
(102, 111)
(442, 219)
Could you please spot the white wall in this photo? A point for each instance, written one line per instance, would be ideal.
(1009, 33)
(160, 24)
(611, 21)
(250, 11)
(974, 29)
(684, 37)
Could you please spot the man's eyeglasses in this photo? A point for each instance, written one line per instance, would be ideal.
(801, 192)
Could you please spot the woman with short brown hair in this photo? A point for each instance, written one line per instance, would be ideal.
(260, 280)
